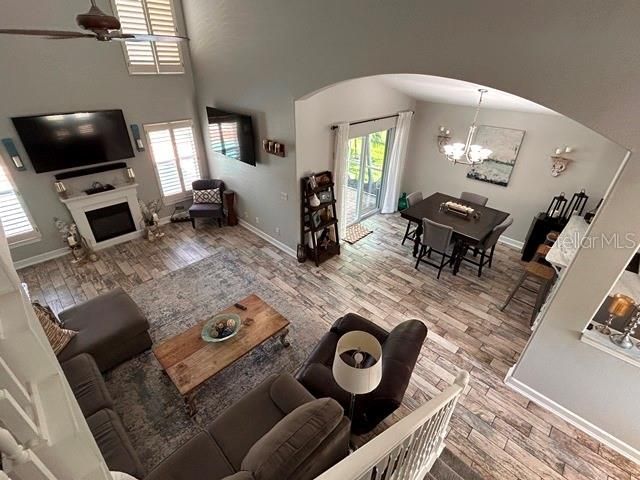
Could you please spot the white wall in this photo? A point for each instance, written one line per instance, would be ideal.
(531, 187)
(360, 99)
(45, 76)
(261, 56)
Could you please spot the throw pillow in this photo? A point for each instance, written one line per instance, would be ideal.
(207, 196)
(58, 337)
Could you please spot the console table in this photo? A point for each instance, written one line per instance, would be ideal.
(568, 243)
(561, 253)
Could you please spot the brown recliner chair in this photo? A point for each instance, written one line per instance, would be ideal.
(207, 210)
(277, 431)
(400, 350)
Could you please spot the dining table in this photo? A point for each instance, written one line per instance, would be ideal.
(467, 230)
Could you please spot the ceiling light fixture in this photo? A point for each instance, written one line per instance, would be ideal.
(466, 153)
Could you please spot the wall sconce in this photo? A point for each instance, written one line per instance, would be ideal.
(131, 175)
(13, 154)
(273, 147)
(560, 161)
(135, 131)
(444, 138)
(61, 189)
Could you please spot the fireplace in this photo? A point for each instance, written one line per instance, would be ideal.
(107, 218)
(110, 222)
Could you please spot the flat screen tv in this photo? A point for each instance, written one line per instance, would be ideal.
(231, 134)
(67, 140)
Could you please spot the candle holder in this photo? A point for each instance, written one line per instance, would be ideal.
(623, 340)
(131, 175)
(620, 306)
(576, 205)
(557, 205)
(61, 189)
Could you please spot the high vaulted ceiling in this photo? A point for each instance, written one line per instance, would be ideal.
(457, 92)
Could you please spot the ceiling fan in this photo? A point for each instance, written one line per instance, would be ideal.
(104, 28)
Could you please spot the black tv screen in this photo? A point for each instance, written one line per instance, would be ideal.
(231, 134)
(66, 140)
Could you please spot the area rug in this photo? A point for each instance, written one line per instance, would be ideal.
(356, 232)
(149, 404)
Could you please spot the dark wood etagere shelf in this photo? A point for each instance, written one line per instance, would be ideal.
(319, 224)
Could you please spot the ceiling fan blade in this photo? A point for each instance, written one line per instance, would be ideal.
(146, 38)
(46, 33)
(86, 35)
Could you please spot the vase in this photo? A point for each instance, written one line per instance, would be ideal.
(314, 201)
(301, 253)
(402, 201)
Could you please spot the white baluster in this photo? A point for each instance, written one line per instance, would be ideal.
(12, 449)
(393, 467)
(17, 420)
(9, 381)
(24, 462)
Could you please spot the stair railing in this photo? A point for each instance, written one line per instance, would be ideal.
(43, 435)
(407, 449)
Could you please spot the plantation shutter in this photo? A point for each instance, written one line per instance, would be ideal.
(164, 158)
(175, 158)
(150, 17)
(186, 148)
(162, 21)
(14, 216)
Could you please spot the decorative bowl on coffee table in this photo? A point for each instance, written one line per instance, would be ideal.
(221, 327)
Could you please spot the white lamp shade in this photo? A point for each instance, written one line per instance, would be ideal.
(358, 380)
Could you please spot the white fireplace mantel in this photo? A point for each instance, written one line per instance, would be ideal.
(79, 204)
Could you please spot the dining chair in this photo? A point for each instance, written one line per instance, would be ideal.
(488, 245)
(474, 198)
(436, 237)
(412, 199)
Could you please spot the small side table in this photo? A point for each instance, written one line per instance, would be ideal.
(229, 201)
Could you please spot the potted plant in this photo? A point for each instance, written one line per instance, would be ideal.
(151, 219)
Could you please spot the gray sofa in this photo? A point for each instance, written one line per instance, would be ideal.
(96, 404)
(278, 431)
(111, 329)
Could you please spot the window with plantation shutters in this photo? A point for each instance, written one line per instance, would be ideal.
(173, 150)
(150, 17)
(16, 221)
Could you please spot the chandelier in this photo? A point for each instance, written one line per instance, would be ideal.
(467, 153)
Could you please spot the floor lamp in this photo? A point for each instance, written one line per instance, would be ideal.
(357, 365)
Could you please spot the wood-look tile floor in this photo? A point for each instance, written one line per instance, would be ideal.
(500, 433)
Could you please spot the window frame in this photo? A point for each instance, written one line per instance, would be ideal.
(187, 192)
(156, 69)
(28, 237)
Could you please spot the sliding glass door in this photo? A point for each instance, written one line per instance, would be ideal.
(366, 167)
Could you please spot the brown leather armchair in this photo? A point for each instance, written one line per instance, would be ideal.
(207, 210)
(400, 350)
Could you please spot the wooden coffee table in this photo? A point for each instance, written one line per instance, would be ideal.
(189, 361)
